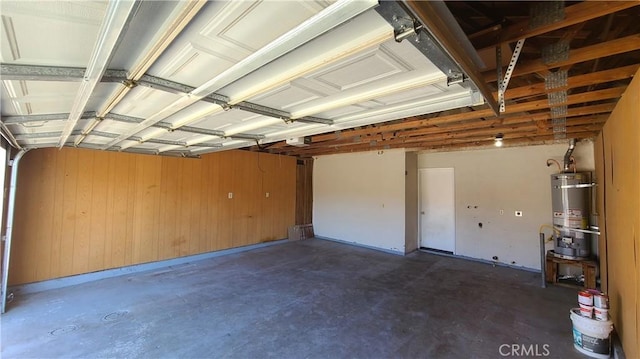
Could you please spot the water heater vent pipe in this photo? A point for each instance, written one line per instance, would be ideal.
(567, 156)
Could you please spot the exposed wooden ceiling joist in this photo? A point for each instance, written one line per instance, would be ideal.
(519, 138)
(574, 14)
(605, 49)
(594, 78)
(431, 14)
(456, 118)
(353, 140)
(351, 137)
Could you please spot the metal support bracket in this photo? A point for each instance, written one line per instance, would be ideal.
(455, 77)
(504, 83)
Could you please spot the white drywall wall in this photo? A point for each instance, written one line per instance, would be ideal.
(360, 198)
(508, 179)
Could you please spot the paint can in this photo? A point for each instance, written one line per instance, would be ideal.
(585, 297)
(586, 310)
(601, 313)
(601, 301)
(591, 337)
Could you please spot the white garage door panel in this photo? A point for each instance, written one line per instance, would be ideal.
(29, 39)
(82, 12)
(456, 97)
(97, 140)
(193, 63)
(411, 95)
(365, 68)
(193, 113)
(296, 129)
(342, 111)
(112, 126)
(223, 120)
(251, 125)
(386, 72)
(150, 15)
(288, 96)
(335, 60)
(143, 102)
(41, 97)
(225, 33)
(368, 91)
(340, 44)
(239, 27)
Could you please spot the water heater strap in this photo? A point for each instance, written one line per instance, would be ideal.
(576, 230)
(583, 185)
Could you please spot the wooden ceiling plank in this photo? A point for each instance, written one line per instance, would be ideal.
(518, 139)
(574, 14)
(587, 53)
(590, 123)
(611, 93)
(514, 109)
(594, 78)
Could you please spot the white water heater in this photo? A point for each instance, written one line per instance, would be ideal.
(571, 199)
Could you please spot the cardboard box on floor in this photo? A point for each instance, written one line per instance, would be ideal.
(301, 231)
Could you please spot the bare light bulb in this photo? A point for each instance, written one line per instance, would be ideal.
(498, 140)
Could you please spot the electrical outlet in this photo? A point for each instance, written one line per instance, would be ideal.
(230, 195)
(518, 213)
(266, 194)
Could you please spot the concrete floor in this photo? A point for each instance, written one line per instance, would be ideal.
(306, 299)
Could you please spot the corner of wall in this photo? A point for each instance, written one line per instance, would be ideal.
(619, 202)
(411, 202)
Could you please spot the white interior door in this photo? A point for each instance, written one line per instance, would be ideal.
(437, 209)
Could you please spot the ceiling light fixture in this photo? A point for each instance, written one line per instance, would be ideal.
(498, 140)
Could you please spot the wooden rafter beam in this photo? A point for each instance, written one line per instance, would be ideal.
(596, 114)
(610, 93)
(606, 94)
(520, 92)
(434, 16)
(609, 48)
(590, 123)
(528, 91)
(574, 14)
(594, 78)
(516, 138)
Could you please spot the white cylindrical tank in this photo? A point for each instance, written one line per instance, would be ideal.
(571, 199)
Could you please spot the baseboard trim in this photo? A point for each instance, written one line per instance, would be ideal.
(116, 272)
(616, 346)
(355, 244)
(444, 254)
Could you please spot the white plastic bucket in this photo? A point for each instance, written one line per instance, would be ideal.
(591, 337)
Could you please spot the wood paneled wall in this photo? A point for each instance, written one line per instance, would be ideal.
(79, 211)
(304, 191)
(618, 171)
